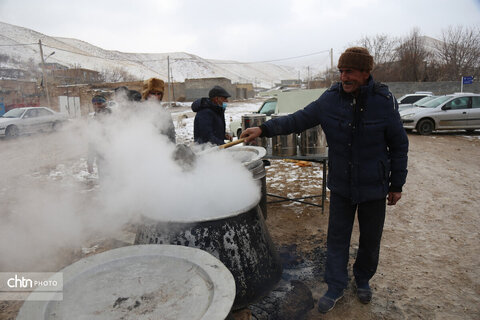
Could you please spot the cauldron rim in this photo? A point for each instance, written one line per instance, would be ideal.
(260, 152)
(213, 218)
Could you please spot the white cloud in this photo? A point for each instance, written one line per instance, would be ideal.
(236, 30)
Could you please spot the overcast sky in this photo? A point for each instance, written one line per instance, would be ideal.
(242, 30)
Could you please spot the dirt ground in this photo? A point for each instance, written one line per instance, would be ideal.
(430, 254)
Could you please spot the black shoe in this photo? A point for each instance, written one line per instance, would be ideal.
(364, 295)
(326, 303)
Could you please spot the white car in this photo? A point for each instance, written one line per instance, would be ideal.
(413, 97)
(30, 120)
(448, 112)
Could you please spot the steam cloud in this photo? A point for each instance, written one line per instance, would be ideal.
(47, 213)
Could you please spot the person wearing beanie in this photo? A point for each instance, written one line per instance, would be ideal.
(367, 156)
(153, 90)
(209, 123)
(99, 103)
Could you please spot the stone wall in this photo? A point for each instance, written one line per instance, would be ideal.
(198, 88)
(20, 93)
(438, 88)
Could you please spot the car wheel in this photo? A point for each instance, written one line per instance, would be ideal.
(56, 126)
(11, 131)
(239, 132)
(425, 126)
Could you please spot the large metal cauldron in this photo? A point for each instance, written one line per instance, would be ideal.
(313, 142)
(284, 145)
(251, 158)
(254, 120)
(239, 240)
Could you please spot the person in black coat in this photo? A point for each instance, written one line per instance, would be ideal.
(367, 161)
(209, 123)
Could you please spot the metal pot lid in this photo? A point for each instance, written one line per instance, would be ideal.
(247, 154)
(141, 282)
(254, 115)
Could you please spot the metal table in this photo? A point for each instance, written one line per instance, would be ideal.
(320, 158)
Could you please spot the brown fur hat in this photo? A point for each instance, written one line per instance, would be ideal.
(356, 58)
(152, 84)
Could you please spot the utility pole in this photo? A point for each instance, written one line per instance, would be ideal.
(331, 59)
(44, 78)
(168, 75)
(308, 77)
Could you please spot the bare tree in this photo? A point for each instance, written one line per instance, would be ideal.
(382, 48)
(412, 57)
(459, 52)
(116, 75)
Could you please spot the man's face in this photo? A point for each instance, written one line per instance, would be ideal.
(219, 100)
(352, 79)
(155, 95)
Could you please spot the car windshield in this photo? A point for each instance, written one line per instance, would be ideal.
(268, 108)
(14, 113)
(420, 102)
(435, 102)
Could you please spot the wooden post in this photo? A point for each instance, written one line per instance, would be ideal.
(44, 78)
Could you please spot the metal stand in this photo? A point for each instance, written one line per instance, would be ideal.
(314, 158)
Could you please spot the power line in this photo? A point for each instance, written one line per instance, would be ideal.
(105, 58)
(18, 44)
(276, 60)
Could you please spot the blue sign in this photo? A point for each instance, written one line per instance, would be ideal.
(467, 80)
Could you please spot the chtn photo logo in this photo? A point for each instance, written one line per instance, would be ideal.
(35, 286)
(27, 283)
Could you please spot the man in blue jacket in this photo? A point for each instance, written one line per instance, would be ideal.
(367, 165)
(209, 123)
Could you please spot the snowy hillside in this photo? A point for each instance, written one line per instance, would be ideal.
(21, 45)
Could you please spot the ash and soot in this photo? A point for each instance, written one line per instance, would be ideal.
(52, 203)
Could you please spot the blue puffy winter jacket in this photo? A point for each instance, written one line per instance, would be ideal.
(209, 123)
(367, 144)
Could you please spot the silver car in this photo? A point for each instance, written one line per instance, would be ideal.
(448, 112)
(418, 103)
(30, 120)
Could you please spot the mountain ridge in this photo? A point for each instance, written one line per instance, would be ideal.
(21, 45)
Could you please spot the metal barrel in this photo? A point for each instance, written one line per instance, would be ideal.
(284, 145)
(313, 142)
(254, 120)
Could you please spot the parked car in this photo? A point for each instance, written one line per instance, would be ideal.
(30, 120)
(284, 102)
(413, 97)
(448, 112)
(415, 104)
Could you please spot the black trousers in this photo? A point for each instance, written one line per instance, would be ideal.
(371, 218)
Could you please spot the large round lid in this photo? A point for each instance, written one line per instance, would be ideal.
(247, 154)
(141, 282)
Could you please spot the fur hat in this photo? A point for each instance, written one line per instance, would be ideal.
(356, 58)
(218, 91)
(152, 84)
